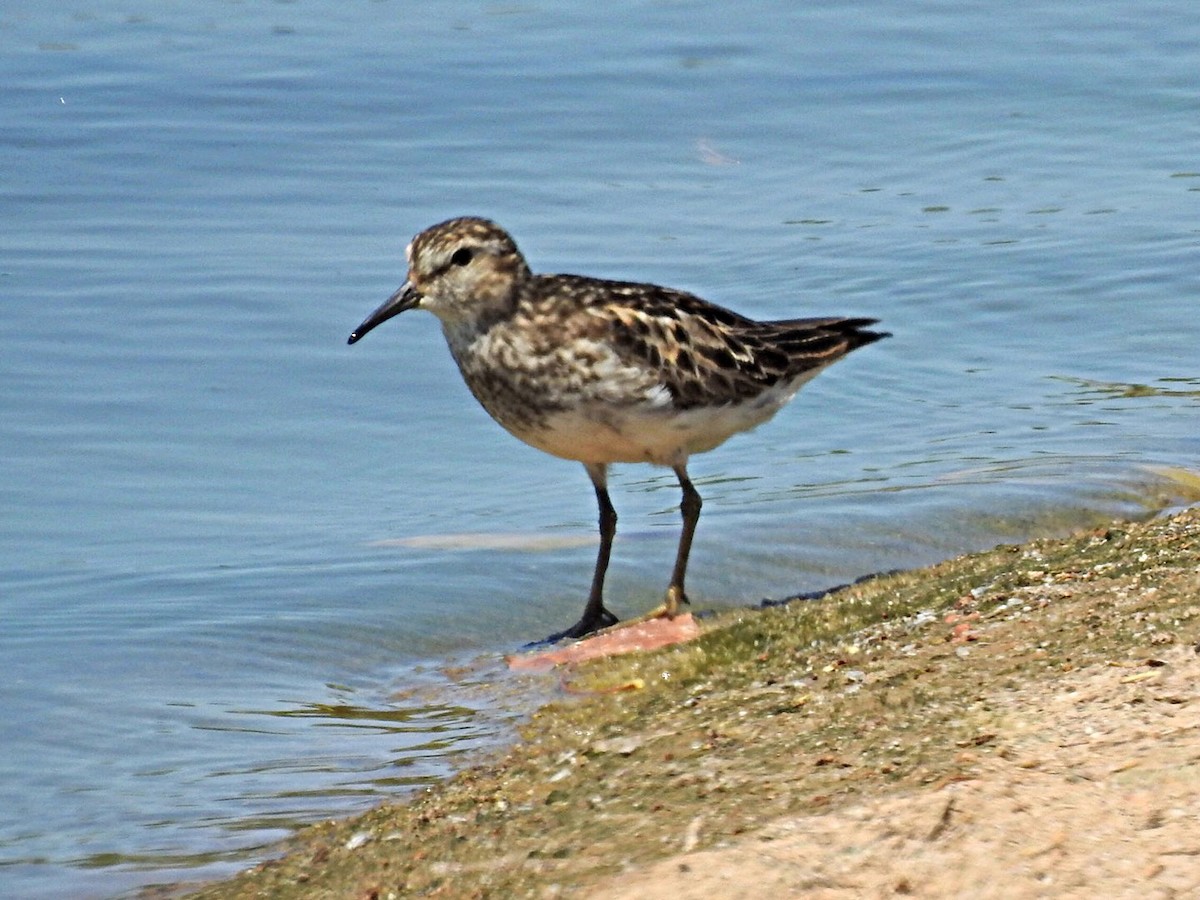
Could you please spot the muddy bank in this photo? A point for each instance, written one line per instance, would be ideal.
(1024, 720)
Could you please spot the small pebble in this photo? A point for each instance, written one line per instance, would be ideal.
(358, 839)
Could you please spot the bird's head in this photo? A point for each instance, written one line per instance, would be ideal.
(464, 271)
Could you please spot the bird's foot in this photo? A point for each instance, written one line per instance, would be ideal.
(585, 626)
(668, 609)
(674, 599)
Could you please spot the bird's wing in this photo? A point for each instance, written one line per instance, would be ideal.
(705, 354)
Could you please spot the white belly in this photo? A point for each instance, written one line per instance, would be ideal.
(652, 434)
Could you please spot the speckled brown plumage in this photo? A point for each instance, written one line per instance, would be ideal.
(608, 371)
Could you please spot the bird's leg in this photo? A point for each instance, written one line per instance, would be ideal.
(595, 616)
(690, 507)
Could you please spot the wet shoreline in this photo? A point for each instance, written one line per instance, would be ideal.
(879, 689)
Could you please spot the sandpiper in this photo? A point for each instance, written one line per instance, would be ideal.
(608, 372)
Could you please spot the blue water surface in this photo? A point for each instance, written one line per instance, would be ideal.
(235, 552)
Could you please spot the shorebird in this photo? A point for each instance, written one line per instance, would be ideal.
(606, 372)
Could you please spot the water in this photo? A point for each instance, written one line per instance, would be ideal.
(235, 552)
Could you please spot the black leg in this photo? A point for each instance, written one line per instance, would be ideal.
(595, 616)
(690, 507)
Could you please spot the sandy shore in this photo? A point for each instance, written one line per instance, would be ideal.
(1023, 722)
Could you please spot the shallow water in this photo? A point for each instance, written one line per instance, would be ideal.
(234, 546)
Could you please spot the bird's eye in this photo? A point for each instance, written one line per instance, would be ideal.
(461, 257)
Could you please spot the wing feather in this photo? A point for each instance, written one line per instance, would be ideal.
(704, 354)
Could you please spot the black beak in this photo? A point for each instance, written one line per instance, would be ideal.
(405, 298)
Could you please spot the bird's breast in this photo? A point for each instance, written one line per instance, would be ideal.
(580, 400)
